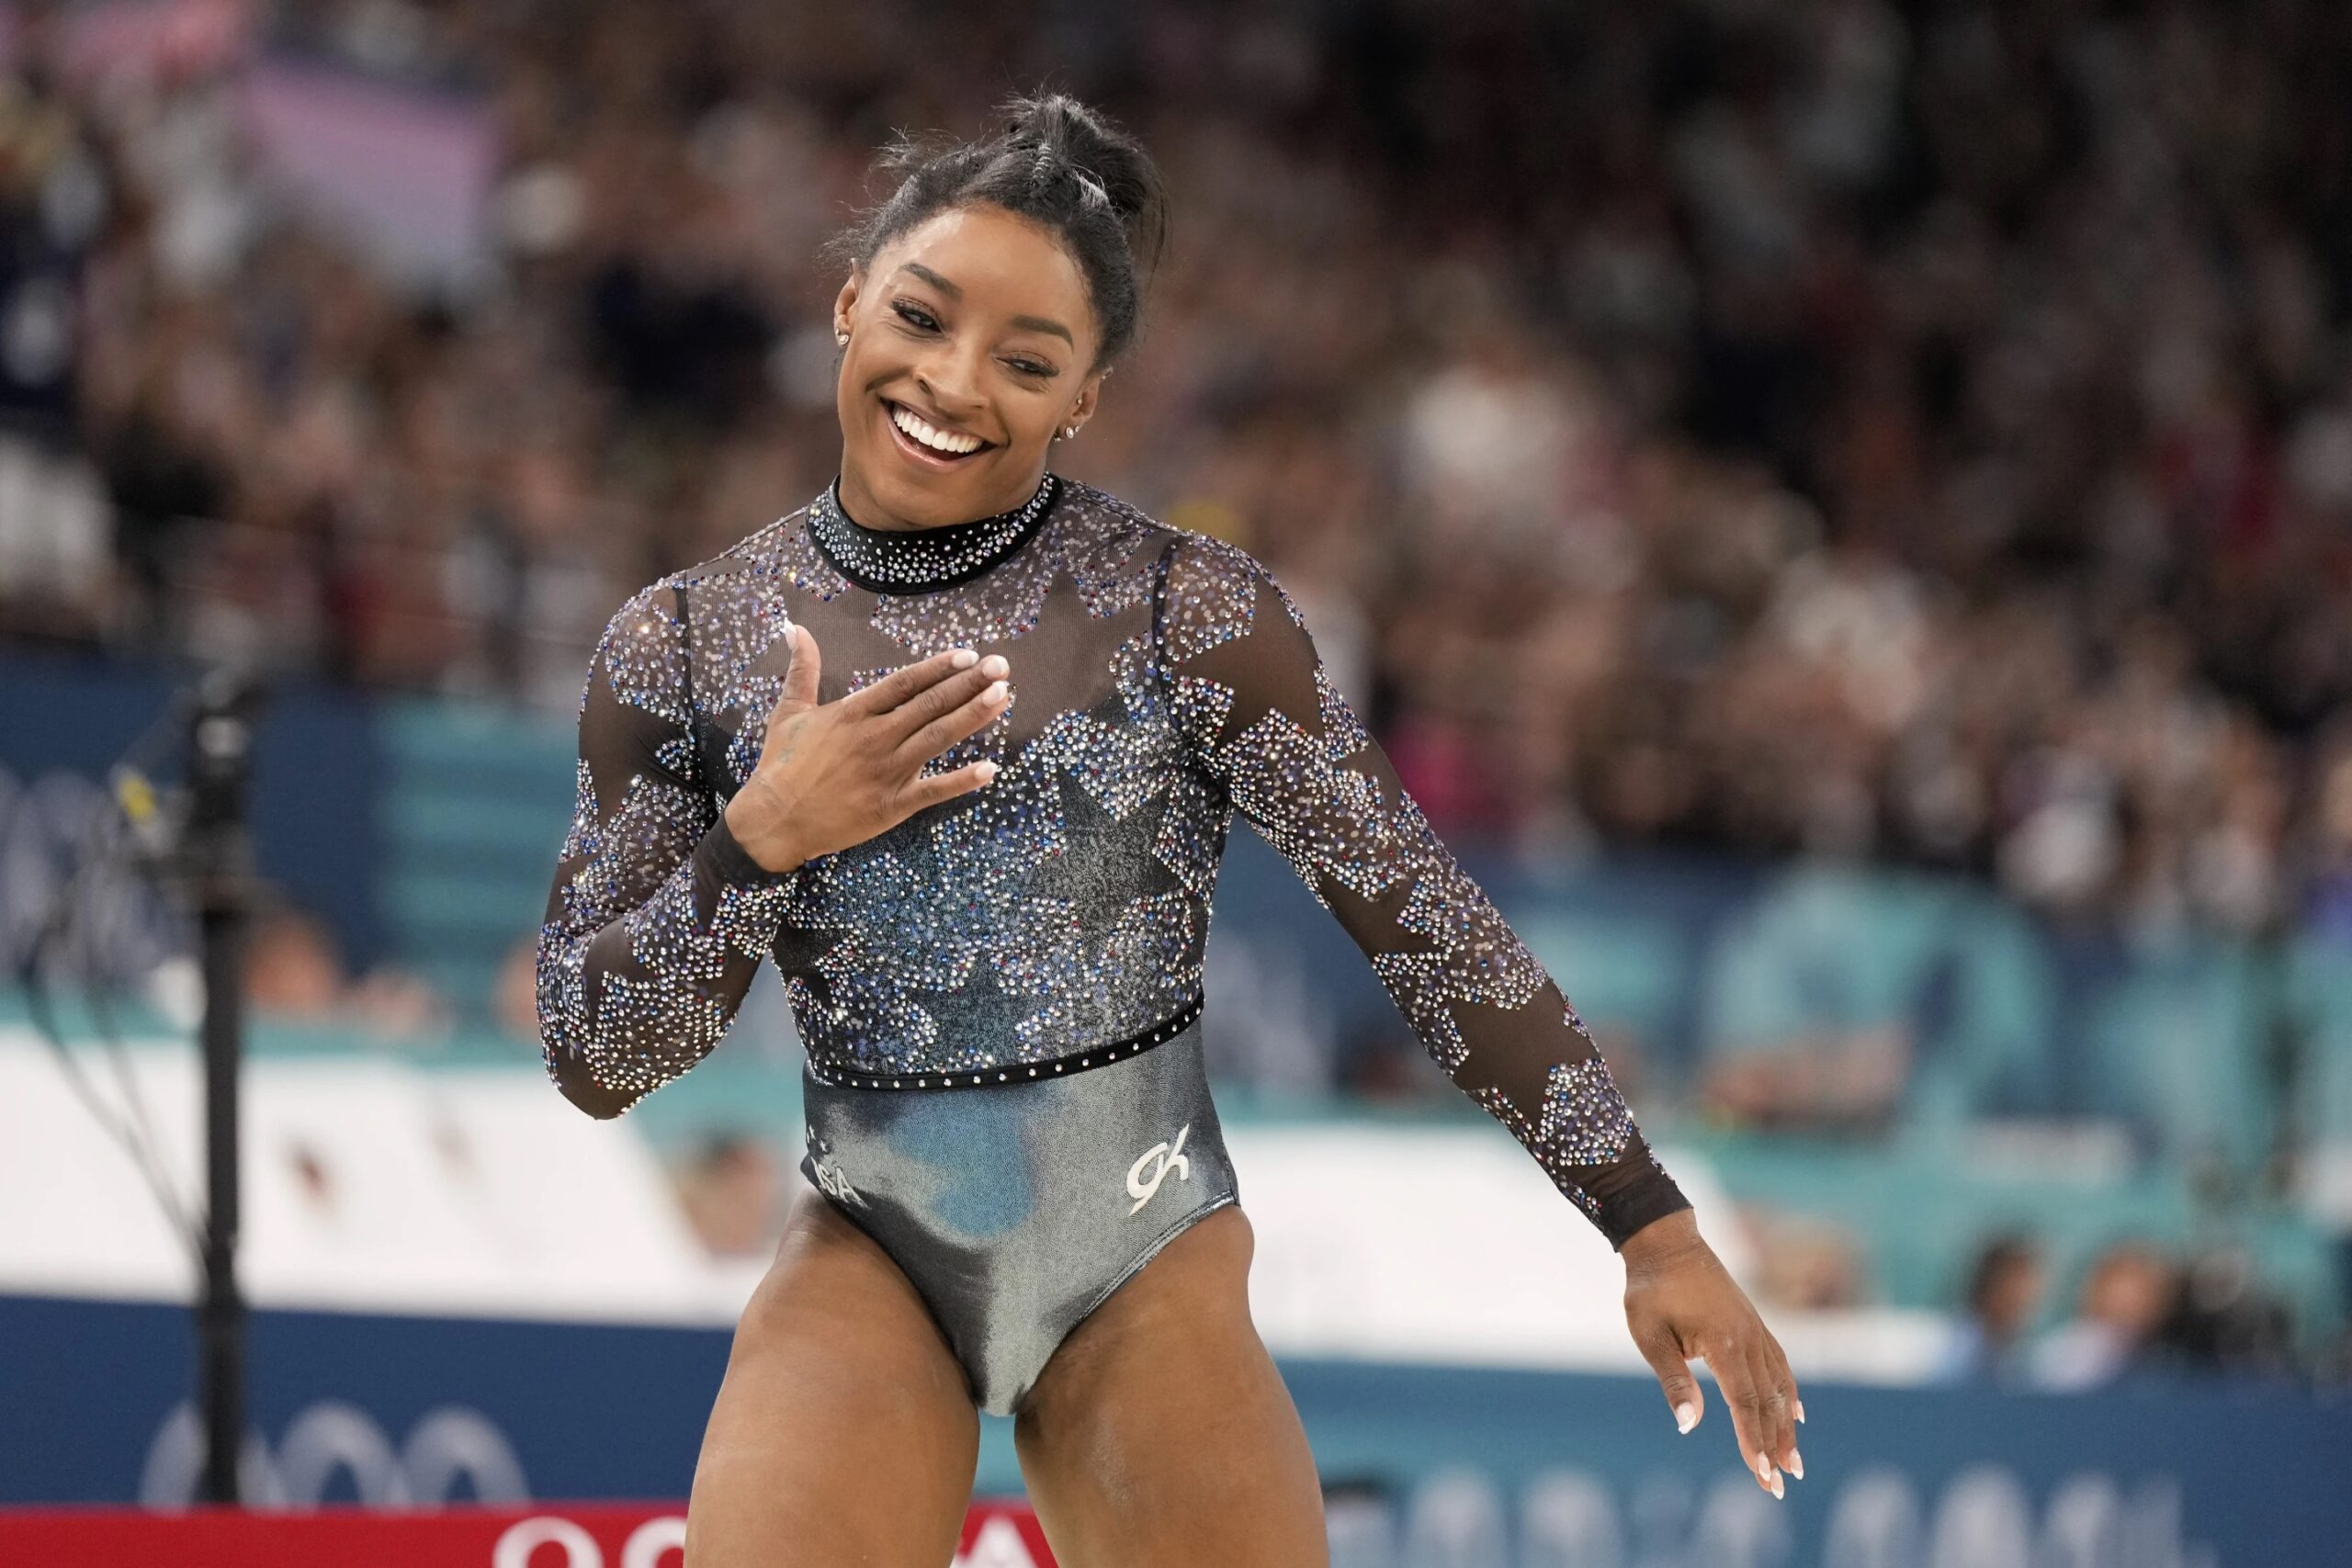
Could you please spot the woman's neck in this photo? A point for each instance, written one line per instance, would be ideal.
(919, 559)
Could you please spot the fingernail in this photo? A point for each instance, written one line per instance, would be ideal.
(988, 772)
(1686, 1416)
(995, 692)
(1799, 1410)
(994, 664)
(964, 658)
(1796, 1464)
(1780, 1487)
(1764, 1469)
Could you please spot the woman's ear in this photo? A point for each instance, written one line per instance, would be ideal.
(1088, 396)
(845, 303)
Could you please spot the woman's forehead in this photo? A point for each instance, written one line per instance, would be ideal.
(989, 258)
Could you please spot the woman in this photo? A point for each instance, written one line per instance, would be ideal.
(978, 833)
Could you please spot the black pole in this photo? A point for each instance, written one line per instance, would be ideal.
(221, 1312)
(219, 771)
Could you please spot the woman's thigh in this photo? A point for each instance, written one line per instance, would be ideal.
(1160, 1432)
(844, 1431)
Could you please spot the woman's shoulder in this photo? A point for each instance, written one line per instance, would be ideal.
(756, 565)
(1192, 550)
(664, 609)
(1211, 585)
(785, 537)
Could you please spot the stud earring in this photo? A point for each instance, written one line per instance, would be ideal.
(841, 338)
(1070, 431)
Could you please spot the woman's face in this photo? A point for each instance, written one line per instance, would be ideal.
(975, 323)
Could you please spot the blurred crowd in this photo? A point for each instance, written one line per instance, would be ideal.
(2138, 1309)
(1887, 428)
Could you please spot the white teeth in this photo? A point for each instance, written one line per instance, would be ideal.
(937, 440)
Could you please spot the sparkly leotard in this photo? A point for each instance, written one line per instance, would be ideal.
(1052, 922)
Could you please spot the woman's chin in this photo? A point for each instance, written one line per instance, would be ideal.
(928, 497)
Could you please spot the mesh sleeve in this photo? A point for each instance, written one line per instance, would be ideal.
(658, 918)
(1263, 718)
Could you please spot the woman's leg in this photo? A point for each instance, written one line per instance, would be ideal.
(1160, 1433)
(843, 1432)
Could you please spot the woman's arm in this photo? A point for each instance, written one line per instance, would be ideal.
(1264, 719)
(658, 918)
(1261, 716)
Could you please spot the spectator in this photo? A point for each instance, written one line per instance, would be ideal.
(295, 973)
(2005, 1288)
(292, 969)
(2127, 1294)
(2223, 1321)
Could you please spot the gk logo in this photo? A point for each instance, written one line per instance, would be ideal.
(1169, 1156)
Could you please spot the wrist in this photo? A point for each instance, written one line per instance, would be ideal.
(761, 831)
(1664, 1241)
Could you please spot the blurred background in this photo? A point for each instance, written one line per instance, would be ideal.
(1839, 510)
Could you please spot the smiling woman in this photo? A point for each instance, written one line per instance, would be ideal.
(991, 917)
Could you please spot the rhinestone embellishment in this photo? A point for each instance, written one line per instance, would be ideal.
(917, 560)
(1134, 1045)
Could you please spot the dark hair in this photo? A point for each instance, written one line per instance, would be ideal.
(1058, 164)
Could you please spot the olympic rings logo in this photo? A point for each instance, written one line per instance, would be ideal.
(332, 1438)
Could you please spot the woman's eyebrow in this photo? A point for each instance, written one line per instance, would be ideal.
(1043, 325)
(1029, 323)
(932, 278)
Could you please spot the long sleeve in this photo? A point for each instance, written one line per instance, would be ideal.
(658, 918)
(1262, 718)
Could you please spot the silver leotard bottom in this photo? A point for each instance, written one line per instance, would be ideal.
(1017, 1208)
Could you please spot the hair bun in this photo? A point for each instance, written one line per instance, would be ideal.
(1096, 150)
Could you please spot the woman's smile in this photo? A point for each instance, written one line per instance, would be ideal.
(929, 444)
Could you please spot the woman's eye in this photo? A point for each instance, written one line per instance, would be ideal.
(1030, 368)
(916, 316)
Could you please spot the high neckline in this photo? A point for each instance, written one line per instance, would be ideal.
(919, 561)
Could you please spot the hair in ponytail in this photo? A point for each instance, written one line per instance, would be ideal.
(1059, 165)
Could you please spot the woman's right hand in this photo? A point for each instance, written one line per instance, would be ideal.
(836, 775)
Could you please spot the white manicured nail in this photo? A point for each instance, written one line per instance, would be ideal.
(964, 658)
(1686, 1416)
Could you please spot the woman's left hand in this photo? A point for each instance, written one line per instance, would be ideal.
(1682, 1302)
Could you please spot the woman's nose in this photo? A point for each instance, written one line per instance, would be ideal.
(951, 378)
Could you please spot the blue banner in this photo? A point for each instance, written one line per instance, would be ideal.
(1423, 1467)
